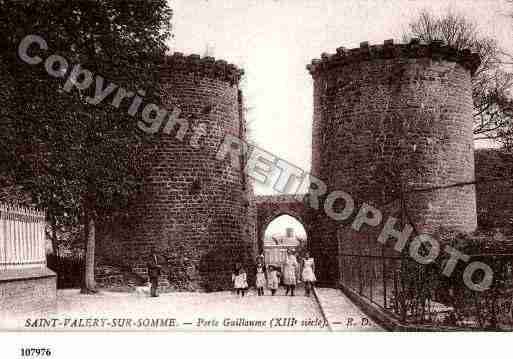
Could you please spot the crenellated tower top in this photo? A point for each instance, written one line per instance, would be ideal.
(414, 49)
(206, 66)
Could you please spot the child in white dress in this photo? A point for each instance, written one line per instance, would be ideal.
(308, 273)
(273, 280)
(260, 279)
(289, 273)
(240, 282)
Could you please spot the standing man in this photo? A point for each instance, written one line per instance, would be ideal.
(154, 273)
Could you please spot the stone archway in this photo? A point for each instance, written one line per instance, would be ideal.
(274, 206)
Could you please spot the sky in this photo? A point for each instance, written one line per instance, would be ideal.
(273, 41)
(278, 226)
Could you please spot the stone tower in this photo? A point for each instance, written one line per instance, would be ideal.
(194, 208)
(394, 121)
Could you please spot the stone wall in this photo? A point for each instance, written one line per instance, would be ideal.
(494, 188)
(394, 119)
(193, 207)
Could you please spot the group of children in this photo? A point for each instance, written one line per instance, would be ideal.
(240, 282)
(270, 277)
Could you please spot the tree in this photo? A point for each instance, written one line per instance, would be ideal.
(79, 161)
(491, 82)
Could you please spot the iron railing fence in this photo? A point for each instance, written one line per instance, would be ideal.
(420, 295)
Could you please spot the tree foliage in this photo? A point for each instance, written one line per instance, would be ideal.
(76, 160)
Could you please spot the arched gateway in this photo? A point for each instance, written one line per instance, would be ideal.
(272, 206)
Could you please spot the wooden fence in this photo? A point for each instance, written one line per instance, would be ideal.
(22, 238)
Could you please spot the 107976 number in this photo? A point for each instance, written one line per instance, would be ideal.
(36, 352)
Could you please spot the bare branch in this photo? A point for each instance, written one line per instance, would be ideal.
(491, 83)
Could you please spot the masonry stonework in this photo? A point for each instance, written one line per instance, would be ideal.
(194, 207)
(494, 192)
(391, 122)
(392, 127)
